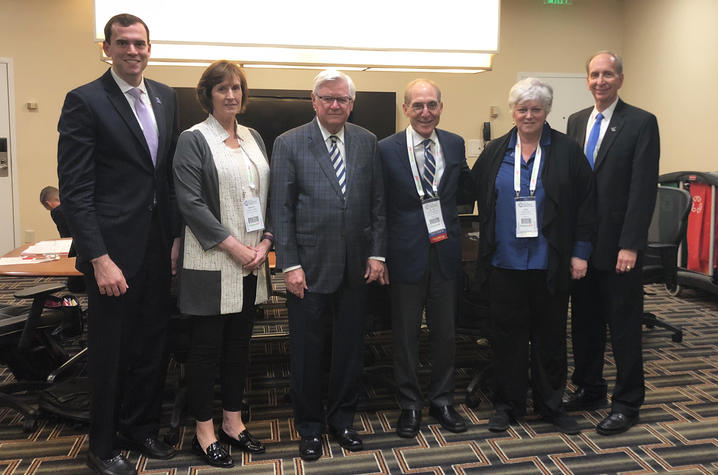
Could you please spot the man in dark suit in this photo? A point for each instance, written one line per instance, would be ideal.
(327, 203)
(117, 138)
(622, 145)
(423, 170)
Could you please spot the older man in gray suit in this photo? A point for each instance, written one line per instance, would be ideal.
(327, 204)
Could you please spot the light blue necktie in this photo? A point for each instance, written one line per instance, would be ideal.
(593, 139)
(427, 178)
(338, 164)
(144, 114)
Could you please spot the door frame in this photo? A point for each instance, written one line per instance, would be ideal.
(12, 149)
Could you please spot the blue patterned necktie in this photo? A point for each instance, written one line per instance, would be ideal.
(144, 114)
(593, 139)
(338, 164)
(427, 178)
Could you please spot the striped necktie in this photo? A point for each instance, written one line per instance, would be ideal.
(593, 139)
(427, 178)
(144, 114)
(338, 164)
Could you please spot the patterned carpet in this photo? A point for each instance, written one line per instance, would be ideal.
(678, 430)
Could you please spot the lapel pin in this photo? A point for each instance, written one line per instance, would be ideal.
(157, 100)
(613, 129)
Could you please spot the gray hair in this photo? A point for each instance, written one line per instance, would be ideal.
(531, 89)
(617, 60)
(332, 75)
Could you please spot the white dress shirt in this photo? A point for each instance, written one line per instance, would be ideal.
(607, 114)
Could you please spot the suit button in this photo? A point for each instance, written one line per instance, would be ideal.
(150, 208)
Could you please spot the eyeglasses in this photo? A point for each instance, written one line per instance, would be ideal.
(341, 100)
(419, 106)
(526, 110)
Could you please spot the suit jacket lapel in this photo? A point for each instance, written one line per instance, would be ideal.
(614, 128)
(318, 150)
(118, 100)
(583, 123)
(448, 163)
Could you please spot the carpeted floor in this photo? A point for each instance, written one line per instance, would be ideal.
(678, 431)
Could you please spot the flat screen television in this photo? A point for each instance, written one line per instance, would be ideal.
(274, 111)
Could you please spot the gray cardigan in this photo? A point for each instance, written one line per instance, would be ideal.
(199, 291)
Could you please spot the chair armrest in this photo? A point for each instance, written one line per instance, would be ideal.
(38, 290)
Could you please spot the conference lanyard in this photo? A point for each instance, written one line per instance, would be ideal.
(525, 206)
(415, 168)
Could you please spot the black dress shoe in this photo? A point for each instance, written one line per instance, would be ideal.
(564, 423)
(581, 400)
(615, 423)
(310, 448)
(448, 418)
(244, 442)
(117, 465)
(347, 438)
(408, 423)
(216, 455)
(499, 421)
(150, 446)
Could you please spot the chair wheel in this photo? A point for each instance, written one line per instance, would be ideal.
(29, 424)
(674, 292)
(677, 337)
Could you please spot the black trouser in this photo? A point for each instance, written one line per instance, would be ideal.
(220, 343)
(127, 356)
(307, 329)
(606, 298)
(528, 324)
(439, 296)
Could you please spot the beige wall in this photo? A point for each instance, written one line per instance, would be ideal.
(51, 57)
(671, 68)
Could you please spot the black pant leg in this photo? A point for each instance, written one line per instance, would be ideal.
(203, 363)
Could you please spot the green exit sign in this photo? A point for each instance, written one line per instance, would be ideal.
(558, 2)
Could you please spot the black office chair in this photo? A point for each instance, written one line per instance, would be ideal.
(667, 230)
(31, 344)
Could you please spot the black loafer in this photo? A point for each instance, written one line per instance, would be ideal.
(244, 442)
(216, 455)
(448, 418)
(616, 423)
(310, 448)
(117, 465)
(564, 423)
(499, 421)
(408, 423)
(581, 400)
(347, 438)
(150, 446)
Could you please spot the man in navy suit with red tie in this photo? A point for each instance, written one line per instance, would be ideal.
(424, 168)
(621, 143)
(117, 139)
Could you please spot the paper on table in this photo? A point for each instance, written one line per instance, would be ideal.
(13, 261)
(56, 246)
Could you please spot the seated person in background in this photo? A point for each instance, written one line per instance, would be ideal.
(50, 199)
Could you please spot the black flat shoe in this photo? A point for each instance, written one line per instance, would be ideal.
(408, 424)
(347, 438)
(310, 448)
(448, 418)
(616, 423)
(117, 465)
(216, 455)
(245, 442)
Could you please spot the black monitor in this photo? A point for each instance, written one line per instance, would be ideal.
(274, 111)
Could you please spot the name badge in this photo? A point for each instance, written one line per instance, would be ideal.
(253, 214)
(526, 219)
(434, 220)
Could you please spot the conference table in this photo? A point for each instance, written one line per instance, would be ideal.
(63, 266)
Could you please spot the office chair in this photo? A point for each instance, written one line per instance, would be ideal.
(31, 345)
(667, 230)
